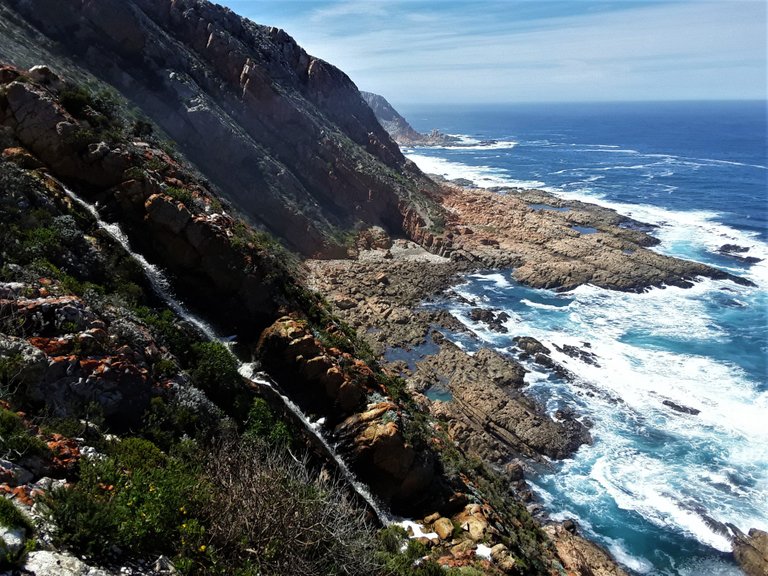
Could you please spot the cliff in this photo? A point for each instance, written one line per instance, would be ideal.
(283, 135)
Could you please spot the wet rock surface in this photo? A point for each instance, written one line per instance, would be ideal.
(489, 416)
(750, 550)
(580, 556)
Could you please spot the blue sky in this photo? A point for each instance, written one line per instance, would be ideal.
(451, 51)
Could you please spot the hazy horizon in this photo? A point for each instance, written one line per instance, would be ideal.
(524, 51)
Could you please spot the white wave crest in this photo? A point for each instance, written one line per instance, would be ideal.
(481, 176)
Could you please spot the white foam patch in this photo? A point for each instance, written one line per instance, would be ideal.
(638, 483)
(635, 563)
(475, 145)
(637, 372)
(417, 530)
(483, 551)
(498, 280)
(540, 305)
(709, 567)
(481, 176)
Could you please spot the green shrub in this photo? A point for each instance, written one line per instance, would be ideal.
(262, 423)
(15, 440)
(408, 562)
(12, 517)
(181, 194)
(215, 373)
(164, 423)
(135, 499)
(166, 328)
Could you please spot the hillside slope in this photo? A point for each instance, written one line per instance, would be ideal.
(285, 136)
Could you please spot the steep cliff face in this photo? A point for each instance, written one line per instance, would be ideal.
(285, 136)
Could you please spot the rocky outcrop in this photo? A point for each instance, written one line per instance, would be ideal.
(375, 442)
(580, 556)
(71, 361)
(488, 416)
(284, 135)
(750, 550)
(343, 390)
(493, 229)
(330, 382)
(44, 127)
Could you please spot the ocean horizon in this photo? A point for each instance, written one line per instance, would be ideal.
(657, 485)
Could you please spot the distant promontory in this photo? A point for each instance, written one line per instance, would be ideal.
(399, 128)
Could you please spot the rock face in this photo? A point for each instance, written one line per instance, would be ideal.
(751, 550)
(488, 416)
(331, 383)
(285, 136)
(168, 213)
(580, 556)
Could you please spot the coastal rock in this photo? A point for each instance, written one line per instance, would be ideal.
(581, 556)
(374, 442)
(735, 251)
(494, 321)
(489, 418)
(548, 253)
(750, 550)
(680, 408)
(530, 346)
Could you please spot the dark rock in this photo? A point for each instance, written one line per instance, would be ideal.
(530, 346)
(681, 408)
(490, 318)
(286, 136)
(574, 352)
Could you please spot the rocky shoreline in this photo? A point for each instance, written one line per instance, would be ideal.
(478, 398)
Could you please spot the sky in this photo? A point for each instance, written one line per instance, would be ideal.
(482, 51)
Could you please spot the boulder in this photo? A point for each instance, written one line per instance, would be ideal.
(443, 527)
(21, 364)
(11, 540)
(503, 558)
(49, 563)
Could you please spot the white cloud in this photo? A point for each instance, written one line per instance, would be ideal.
(327, 14)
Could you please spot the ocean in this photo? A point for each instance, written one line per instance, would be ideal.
(657, 482)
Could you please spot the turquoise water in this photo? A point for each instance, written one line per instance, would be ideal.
(657, 483)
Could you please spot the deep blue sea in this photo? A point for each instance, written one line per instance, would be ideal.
(655, 479)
